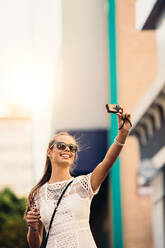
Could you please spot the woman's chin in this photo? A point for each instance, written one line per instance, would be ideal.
(66, 161)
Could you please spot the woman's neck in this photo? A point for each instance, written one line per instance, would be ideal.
(59, 174)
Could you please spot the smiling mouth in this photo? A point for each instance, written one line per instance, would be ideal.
(65, 156)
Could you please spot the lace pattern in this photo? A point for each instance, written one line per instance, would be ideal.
(73, 212)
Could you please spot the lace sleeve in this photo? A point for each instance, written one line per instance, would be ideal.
(85, 181)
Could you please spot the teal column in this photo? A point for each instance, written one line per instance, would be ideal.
(115, 171)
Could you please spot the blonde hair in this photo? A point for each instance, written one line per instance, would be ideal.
(46, 173)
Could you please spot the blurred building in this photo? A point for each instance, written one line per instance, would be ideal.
(136, 72)
(17, 170)
(149, 121)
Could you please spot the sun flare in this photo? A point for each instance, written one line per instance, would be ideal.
(31, 94)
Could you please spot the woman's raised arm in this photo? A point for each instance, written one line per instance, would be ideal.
(102, 170)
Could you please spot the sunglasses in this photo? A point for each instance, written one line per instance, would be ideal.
(62, 146)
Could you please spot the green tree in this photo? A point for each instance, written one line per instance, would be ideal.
(12, 225)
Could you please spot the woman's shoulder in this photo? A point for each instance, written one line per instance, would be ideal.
(84, 182)
(83, 177)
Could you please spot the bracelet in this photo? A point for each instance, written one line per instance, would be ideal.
(118, 143)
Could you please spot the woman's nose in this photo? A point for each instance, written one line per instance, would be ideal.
(67, 148)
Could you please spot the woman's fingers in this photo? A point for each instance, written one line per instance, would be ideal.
(118, 114)
(33, 218)
(28, 217)
(124, 119)
(33, 213)
(31, 221)
(124, 115)
(128, 116)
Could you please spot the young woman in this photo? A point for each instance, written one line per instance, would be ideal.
(70, 227)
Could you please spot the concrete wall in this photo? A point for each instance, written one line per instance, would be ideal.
(84, 87)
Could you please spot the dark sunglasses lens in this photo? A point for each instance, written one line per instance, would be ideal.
(73, 148)
(61, 146)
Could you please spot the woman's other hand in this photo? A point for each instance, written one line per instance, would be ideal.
(33, 219)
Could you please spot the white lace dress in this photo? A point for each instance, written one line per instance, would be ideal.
(70, 227)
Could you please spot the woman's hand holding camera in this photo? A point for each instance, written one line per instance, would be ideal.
(124, 126)
(124, 119)
(124, 122)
